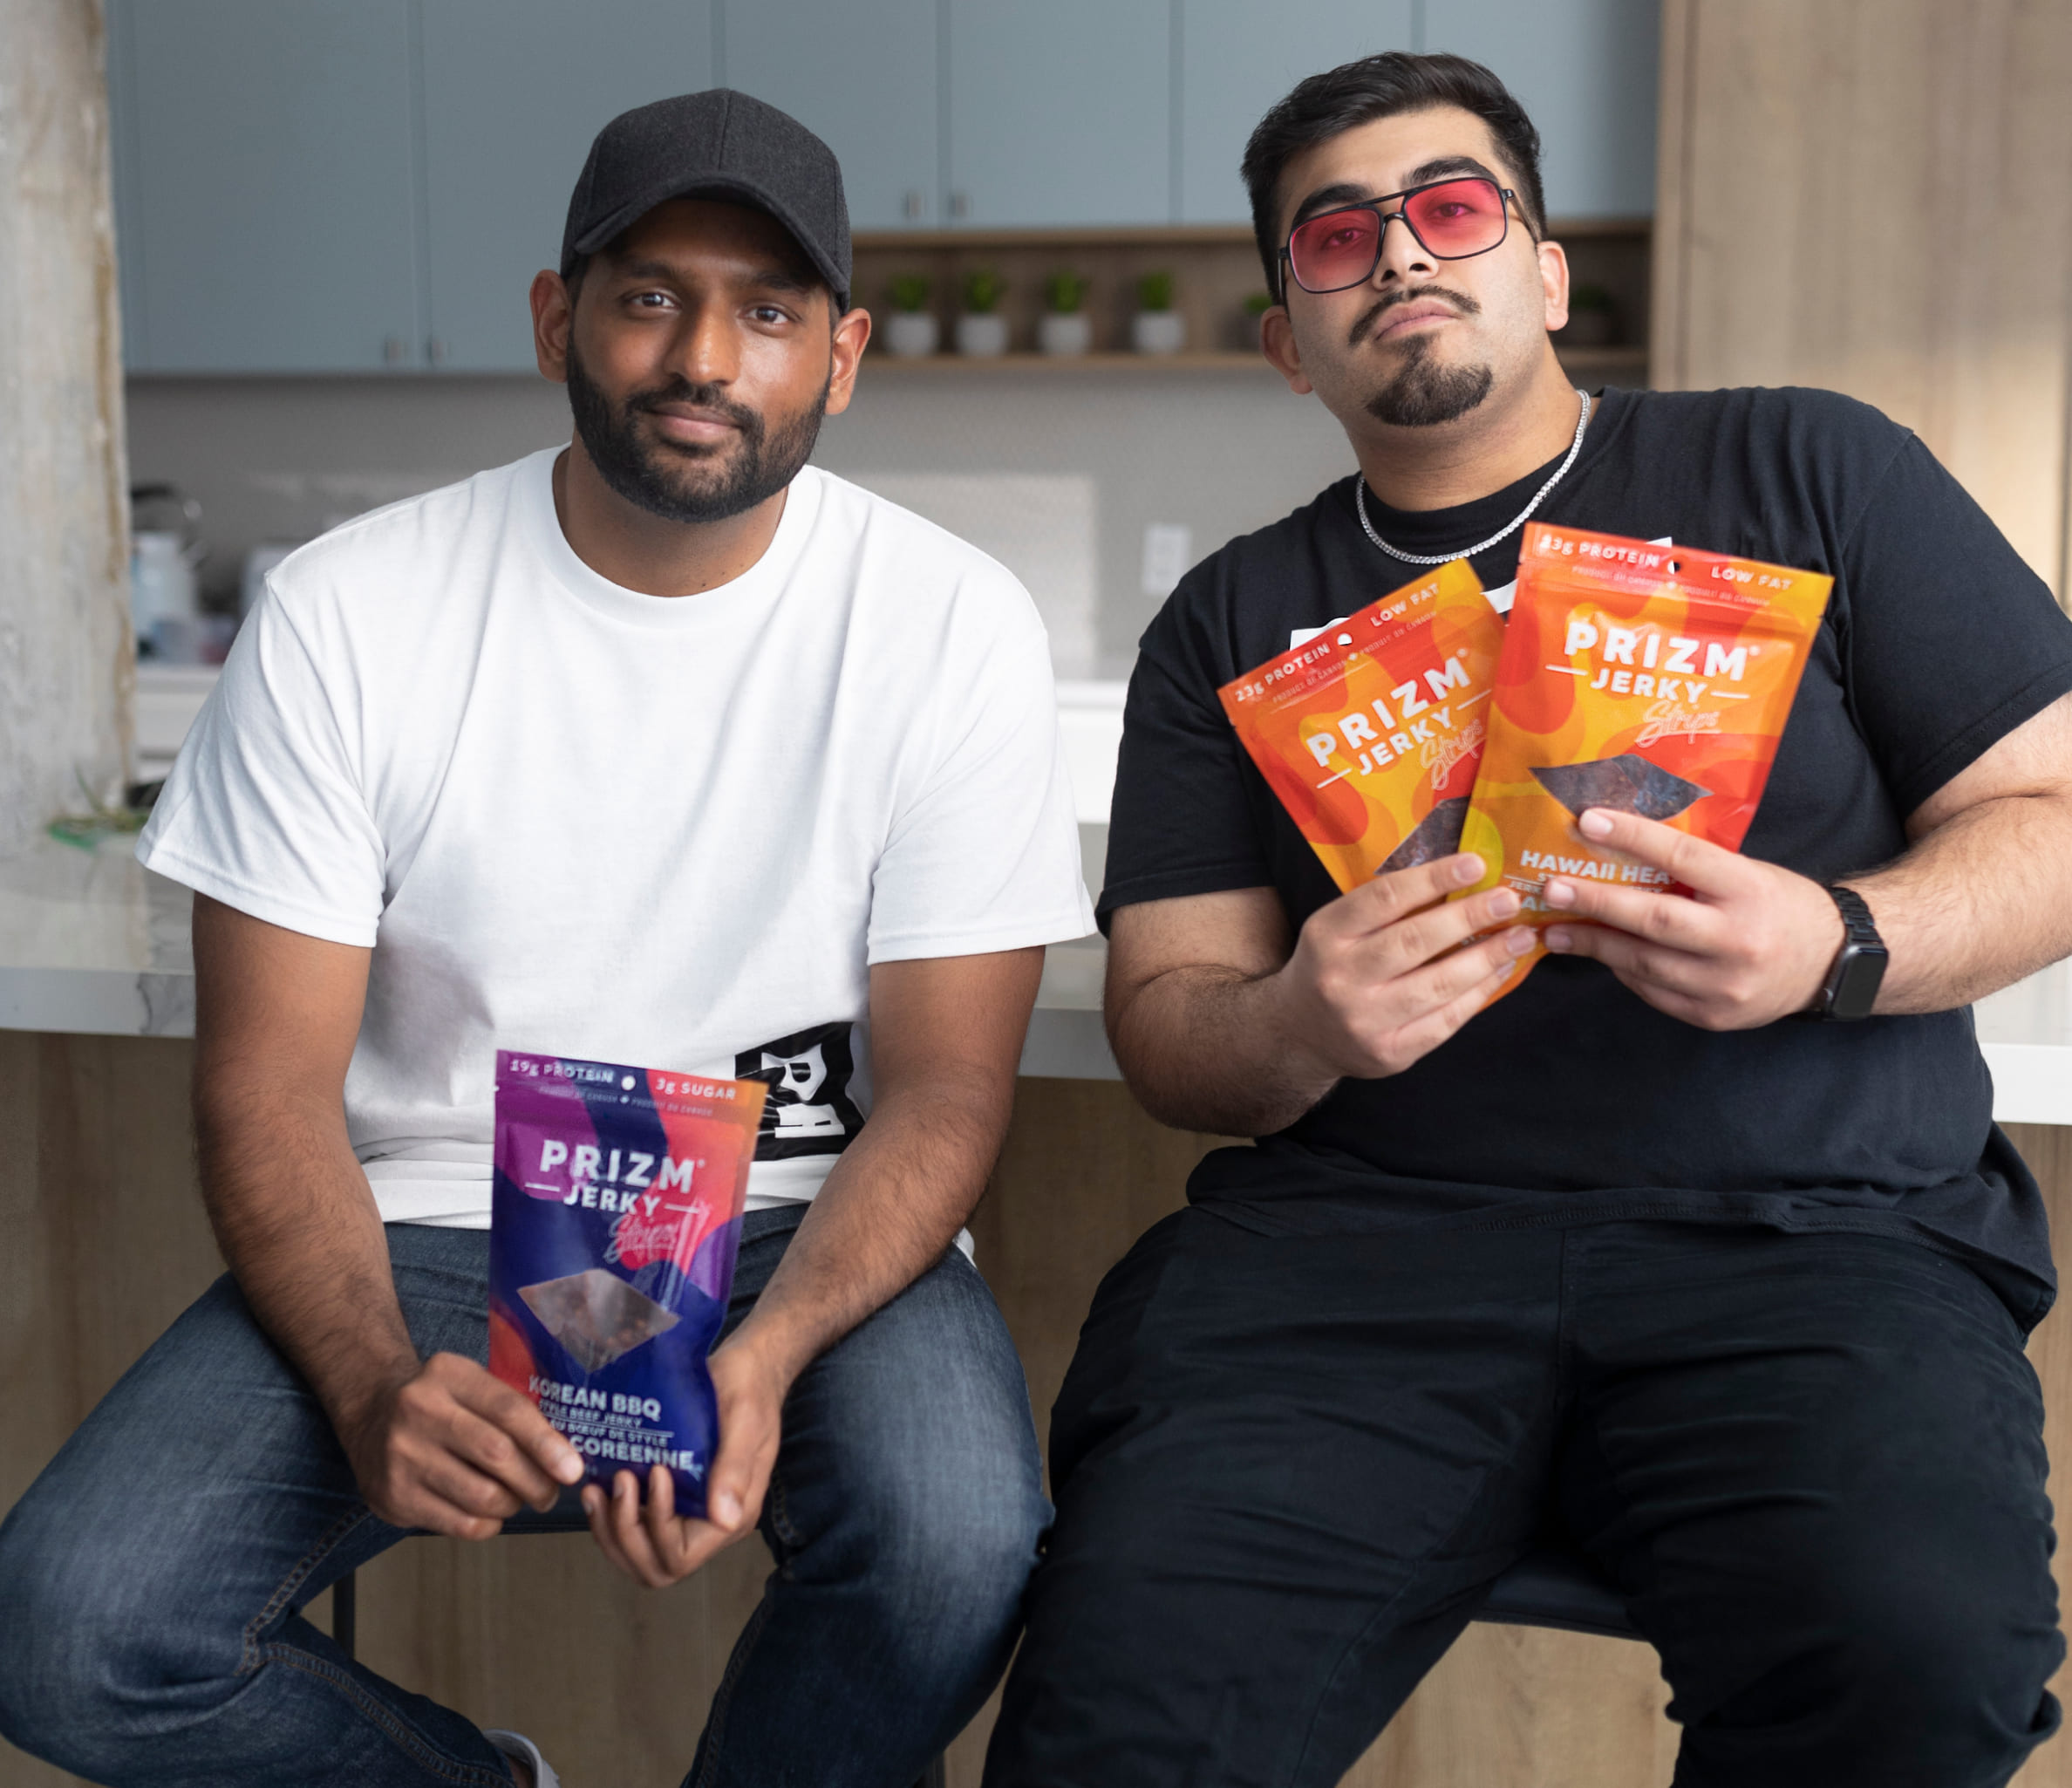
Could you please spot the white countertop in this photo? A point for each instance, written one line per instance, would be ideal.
(90, 941)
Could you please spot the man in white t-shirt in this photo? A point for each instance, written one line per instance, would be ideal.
(662, 748)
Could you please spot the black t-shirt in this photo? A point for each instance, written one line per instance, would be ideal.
(1572, 1100)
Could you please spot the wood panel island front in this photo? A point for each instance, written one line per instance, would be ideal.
(107, 1244)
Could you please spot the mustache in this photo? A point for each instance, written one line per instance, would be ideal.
(1461, 302)
(680, 390)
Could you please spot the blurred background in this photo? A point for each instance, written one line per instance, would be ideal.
(327, 217)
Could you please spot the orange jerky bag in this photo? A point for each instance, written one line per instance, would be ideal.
(1368, 732)
(1653, 680)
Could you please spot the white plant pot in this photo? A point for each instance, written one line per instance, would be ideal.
(1158, 331)
(982, 335)
(913, 335)
(1065, 333)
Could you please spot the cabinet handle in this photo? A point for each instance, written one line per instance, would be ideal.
(960, 204)
(394, 352)
(914, 204)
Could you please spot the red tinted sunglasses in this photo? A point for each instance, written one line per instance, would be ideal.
(1451, 220)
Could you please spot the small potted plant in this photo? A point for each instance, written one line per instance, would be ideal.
(1592, 320)
(1157, 328)
(982, 331)
(913, 333)
(1065, 327)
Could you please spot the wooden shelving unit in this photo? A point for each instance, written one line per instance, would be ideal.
(1591, 367)
(1215, 270)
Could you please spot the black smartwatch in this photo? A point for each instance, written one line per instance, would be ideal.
(1851, 989)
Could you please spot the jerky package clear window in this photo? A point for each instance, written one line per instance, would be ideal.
(1369, 732)
(1648, 678)
(616, 1219)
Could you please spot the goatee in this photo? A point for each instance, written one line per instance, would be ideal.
(1424, 394)
(687, 484)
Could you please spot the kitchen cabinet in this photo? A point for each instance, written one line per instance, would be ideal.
(1585, 71)
(513, 91)
(346, 186)
(870, 89)
(263, 159)
(1060, 114)
(1583, 68)
(1232, 71)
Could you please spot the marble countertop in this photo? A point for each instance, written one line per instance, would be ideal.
(92, 942)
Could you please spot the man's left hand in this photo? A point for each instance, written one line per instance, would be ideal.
(649, 1541)
(1755, 944)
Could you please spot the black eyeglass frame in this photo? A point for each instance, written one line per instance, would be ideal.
(1506, 196)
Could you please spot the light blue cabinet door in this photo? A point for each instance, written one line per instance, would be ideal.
(1061, 114)
(1235, 60)
(513, 92)
(265, 157)
(865, 80)
(1585, 69)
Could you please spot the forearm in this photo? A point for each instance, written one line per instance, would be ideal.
(1975, 904)
(894, 1202)
(298, 1228)
(1208, 1048)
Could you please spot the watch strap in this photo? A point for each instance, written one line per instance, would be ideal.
(1852, 981)
(1855, 915)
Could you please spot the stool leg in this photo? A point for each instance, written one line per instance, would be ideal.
(344, 1613)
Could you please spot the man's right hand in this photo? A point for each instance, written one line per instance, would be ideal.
(1379, 978)
(1223, 1021)
(452, 1449)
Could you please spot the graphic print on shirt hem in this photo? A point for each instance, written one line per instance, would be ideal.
(809, 1110)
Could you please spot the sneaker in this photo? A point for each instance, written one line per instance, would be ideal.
(517, 1745)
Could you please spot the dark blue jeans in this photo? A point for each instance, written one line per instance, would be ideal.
(152, 1580)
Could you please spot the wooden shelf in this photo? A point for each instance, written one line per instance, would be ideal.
(1150, 236)
(1613, 364)
(1214, 270)
(1162, 235)
(1215, 361)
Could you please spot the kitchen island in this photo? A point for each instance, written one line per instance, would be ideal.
(107, 1244)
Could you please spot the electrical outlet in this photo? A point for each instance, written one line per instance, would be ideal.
(1168, 550)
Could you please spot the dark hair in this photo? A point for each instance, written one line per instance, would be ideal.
(1354, 93)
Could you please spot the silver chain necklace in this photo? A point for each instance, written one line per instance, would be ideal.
(1515, 522)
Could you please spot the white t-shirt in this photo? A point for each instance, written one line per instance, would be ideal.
(671, 832)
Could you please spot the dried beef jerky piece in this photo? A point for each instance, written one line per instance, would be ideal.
(596, 1315)
(1437, 835)
(1625, 784)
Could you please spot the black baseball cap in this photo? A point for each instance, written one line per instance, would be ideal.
(718, 145)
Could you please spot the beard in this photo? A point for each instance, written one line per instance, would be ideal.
(688, 484)
(1423, 394)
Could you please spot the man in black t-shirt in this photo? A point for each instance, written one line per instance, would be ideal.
(1633, 1260)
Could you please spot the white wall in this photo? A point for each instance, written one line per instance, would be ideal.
(1217, 453)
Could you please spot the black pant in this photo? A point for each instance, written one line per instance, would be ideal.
(1287, 1468)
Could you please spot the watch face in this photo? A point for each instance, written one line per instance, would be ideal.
(1857, 976)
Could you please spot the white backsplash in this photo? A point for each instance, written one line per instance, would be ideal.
(1042, 526)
